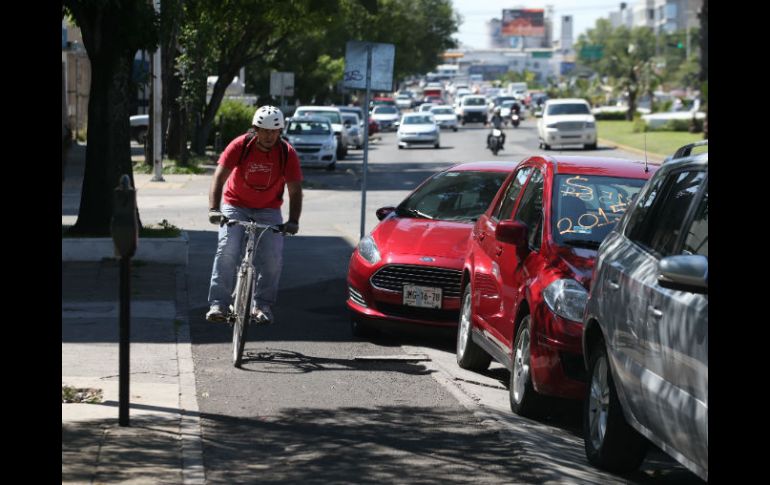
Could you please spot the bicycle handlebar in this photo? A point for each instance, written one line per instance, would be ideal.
(277, 228)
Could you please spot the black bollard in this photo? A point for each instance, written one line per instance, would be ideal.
(124, 235)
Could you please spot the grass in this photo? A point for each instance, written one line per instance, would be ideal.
(161, 229)
(70, 394)
(171, 166)
(658, 142)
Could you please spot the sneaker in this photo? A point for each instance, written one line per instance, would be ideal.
(216, 315)
(262, 315)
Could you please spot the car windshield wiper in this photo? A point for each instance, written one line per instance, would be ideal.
(415, 213)
(582, 243)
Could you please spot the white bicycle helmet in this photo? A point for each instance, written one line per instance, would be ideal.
(268, 117)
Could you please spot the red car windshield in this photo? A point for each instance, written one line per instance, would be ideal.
(453, 196)
(585, 208)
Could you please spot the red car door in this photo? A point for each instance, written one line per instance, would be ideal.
(487, 283)
(512, 264)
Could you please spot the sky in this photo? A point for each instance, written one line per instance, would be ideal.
(473, 30)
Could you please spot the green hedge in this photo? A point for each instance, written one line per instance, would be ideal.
(233, 119)
(612, 115)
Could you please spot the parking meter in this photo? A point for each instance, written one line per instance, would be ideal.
(124, 226)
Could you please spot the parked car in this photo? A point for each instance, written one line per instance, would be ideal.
(386, 116)
(528, 267)
(139, 126)
(407, 270)
(355, 128)
(567, 122)
(645, 337)
(445, 117)
(418, 129)
(334, 115)
(313, 139)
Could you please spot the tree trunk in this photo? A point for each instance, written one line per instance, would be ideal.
(204, 128)
(108, 153)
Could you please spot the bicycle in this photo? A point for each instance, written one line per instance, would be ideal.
(242, 296)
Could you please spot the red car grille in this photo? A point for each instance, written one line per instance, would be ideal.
(394, 277)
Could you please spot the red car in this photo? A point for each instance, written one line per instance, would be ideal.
(407, 270)
(528, 269)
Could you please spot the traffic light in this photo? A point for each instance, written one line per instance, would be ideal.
(679, 45)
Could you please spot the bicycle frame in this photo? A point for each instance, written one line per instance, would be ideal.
(245, 286)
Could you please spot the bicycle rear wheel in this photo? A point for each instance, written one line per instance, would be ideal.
(241, 306)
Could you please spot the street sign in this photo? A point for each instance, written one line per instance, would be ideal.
(382, 65)
(281, 83)
(592, 52)
(368, 66)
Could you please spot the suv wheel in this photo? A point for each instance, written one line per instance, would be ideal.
(469, 355)
(525, 401)
(610, 442)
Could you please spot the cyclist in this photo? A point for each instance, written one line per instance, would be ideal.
(260, 163)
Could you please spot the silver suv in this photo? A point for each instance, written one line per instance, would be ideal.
(645, 335)
(313, 139)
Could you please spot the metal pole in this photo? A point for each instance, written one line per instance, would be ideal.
(366, 136)
(157, 120)
(125, 335)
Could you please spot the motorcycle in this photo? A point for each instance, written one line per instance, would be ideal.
(515, 120)
(495, 141)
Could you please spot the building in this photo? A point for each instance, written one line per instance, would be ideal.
(76, 78)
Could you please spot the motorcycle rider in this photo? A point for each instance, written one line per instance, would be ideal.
(497, 122)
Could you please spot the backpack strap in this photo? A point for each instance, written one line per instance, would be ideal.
(250, 135)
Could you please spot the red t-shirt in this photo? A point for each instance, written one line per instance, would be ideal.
(257, 183)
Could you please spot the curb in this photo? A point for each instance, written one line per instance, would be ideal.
(159, 250)
(652, 157)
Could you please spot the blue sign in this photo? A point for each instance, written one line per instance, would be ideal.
(63, 37)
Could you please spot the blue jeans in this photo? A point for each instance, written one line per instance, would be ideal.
(268, 257)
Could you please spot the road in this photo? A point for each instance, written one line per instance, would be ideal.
(312, 404)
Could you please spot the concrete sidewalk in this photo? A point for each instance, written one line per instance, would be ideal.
(163, 442)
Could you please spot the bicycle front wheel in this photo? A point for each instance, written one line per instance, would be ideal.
(241, 306)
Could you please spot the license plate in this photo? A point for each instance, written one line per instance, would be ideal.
(422, 296)
(308, 158)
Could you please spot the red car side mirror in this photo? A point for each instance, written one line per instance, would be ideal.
(511, 232)
(383, 212)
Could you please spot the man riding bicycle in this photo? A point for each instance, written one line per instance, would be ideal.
(261, 163)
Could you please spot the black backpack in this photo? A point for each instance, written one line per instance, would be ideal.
(250, 135)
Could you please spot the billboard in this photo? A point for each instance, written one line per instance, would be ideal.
(525, 22)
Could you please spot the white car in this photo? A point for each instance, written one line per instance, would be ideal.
(404, 101)
(567, 122)
(386, 116)
(445, 117)
(139, 126)
(418, 129)
(355, 129)
(334, 115)
(313, 139)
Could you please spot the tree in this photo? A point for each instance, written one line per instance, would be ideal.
(626, 56)
(112, 33)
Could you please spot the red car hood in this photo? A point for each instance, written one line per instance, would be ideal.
(577, 263)
(423, 237)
